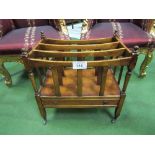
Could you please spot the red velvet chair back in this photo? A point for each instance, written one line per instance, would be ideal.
(20, 23)
(6, 25)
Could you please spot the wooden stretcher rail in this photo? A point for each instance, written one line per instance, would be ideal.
(73, 98)
(78, 106)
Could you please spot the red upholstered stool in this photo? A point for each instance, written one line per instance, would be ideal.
(131, 32)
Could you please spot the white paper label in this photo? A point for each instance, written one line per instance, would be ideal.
(79, 64)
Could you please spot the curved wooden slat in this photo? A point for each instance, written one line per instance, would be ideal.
(80, 42)
(105, 46)
(111, 62)
(114, 52)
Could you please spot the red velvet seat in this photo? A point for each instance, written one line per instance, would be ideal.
(15, 40)
(16, 34)
(130, 33)
(19, 34)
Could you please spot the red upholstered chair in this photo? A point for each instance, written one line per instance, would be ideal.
(132, 32)
(16, 34)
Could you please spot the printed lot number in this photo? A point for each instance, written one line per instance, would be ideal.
(79, 64)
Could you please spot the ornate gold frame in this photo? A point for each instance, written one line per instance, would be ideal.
(4, 71)
(63, 27)
(85, 28)
(148, 52)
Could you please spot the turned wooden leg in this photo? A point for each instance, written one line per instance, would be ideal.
(145, 63)
(5, 73)
(41, 109)
(118, 108)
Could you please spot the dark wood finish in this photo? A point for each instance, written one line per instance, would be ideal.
(55, 77)
(103, 80)
(65, 87)
(120, 74)
(79, 82)
(39, 76)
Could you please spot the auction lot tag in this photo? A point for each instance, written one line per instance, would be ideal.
(79, 64)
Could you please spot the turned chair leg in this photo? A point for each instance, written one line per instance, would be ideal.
(117, 114)
(43, 114)
(118, 109)
(145, 63)
(41, 109)
(113, 120)
(6, 74)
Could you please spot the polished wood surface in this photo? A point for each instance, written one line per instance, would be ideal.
(58, 85)
(87, 82)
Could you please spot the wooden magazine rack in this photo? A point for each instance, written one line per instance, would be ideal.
(80, 73)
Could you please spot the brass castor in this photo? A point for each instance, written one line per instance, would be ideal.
(8, 82)
(113, 120)
(44, 122)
